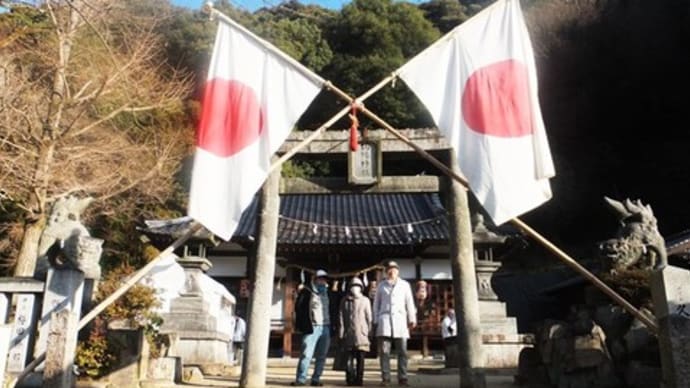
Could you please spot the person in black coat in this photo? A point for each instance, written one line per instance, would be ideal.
(313, 320)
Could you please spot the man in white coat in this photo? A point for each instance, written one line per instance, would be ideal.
(394, 317)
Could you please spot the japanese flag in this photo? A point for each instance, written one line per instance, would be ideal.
(253, 96)
(479, 83)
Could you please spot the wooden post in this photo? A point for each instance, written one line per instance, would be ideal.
(288, 312)
(259, 315)
(465, 285)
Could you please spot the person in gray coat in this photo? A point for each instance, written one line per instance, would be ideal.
(355, 326)
(394, 316)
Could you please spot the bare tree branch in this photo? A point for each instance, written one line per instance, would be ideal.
(87, 105)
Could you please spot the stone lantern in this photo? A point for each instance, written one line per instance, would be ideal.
(502, 343)
(485, 241)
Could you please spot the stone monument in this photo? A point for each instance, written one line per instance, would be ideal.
(195, 320)
(502, 343)
(67, 255)
(671, 297)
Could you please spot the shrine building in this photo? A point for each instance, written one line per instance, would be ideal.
(381, 202)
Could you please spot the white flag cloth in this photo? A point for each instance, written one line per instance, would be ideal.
(253, 96)
(479, 83)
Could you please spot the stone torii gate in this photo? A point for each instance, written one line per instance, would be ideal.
(461, 249)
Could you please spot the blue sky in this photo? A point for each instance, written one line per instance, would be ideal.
(253, 5)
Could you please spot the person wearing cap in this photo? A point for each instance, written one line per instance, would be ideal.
(354, 328)
(313, 320)
(394, 316)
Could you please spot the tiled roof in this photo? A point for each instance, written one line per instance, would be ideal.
(342, 219)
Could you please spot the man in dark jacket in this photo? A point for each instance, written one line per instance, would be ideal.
(312, 318)
(354, 329)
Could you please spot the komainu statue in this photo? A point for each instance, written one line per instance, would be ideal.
(638, 243)
(66, 243)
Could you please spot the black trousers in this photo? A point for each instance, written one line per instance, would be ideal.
(354, 374)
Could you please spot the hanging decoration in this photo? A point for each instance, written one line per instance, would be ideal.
(337, 275)
(318, 227)
(354, 142)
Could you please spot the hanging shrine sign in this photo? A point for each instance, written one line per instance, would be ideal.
(364, 164)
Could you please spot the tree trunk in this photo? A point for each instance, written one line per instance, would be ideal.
(28, 253)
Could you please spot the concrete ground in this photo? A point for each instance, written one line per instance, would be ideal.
(422, 373)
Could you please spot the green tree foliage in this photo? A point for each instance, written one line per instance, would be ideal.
(298, 37)
(292, 27)
(305, 169)
(444, 14)
(371, 38)
(189, 36)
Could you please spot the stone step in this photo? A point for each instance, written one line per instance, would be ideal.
(525, 339)
(506, 325)
(492, 308)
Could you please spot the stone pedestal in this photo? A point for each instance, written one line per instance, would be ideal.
(671, 297)
(57, 332)
(22, 333)
(5, 335)
(502, 343)
(199, 339)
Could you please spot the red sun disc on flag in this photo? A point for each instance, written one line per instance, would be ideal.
(231, 118)
(496, 101)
